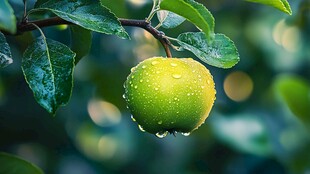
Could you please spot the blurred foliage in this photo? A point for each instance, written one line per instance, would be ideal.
(265, 132)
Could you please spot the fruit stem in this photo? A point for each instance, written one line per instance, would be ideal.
(159, 35)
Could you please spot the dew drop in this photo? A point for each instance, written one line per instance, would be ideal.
(136, 87)
(155, 62)
(186, 133)
(160, 122)
(141, 128)
(161, 134)
(133, 119)
(176, 76)
(173, 64)
(143, 67)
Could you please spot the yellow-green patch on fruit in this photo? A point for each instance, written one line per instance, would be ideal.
(169, 95)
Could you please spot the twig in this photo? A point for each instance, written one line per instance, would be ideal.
(28, 26)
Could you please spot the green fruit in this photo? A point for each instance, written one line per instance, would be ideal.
(169, 95)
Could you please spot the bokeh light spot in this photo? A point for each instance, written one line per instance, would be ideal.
(287, 36)
(103, 113)
(95, 144)
(238, 86)
(291, 39)
(138, 3)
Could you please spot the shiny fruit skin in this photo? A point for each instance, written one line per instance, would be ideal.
(169, 94)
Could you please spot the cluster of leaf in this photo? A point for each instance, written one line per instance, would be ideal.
(48, 65)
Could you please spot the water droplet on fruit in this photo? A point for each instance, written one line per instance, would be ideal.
(143, 67)
(160, 122)
(161, 134)
(124, 96)
(136, 87)
(156, 89)
(176, 76)
(155, 62)
(188, 94)
(141, 80)
(175, 98)
(132, 77)
(186, 133)
(132, 118)
(141, 128)
(173, 64)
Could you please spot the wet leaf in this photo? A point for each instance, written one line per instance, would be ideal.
(81, 40)
(90, 15)
(194, 12)
(169, 19)
(7, 17)
(220, 52)
(295, 92)
(5, 53)
(282, 5)
(11, 164)
(48, 68)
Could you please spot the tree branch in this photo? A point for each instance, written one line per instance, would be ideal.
(27, 26)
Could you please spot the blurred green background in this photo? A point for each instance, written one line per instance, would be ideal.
(260, 122)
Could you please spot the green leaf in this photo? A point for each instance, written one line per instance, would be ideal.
(11, 164)
(48, 68)
(5, 53)
(220, 52)
(194, 12)
(169, 19)
(295, 92)
(81, 40)
(282, 5)
(7, 17)
(88, 14)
